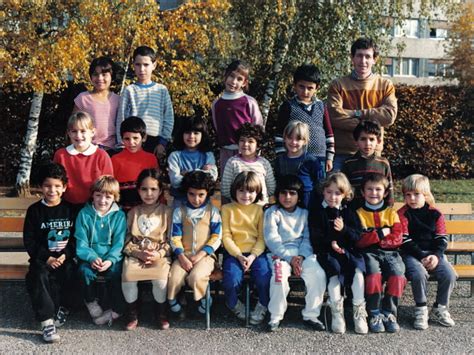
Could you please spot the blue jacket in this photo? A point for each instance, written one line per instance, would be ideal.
(100, 236)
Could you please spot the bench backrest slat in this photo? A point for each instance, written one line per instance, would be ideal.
(456, 208)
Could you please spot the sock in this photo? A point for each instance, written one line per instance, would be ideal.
(422, 304)
(374, 312)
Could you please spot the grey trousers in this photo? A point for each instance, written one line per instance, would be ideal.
(418, 275)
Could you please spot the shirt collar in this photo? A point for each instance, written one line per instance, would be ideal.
(325, 205)
(374, 207)
(89, 151)
(355, 77)
(232, 96)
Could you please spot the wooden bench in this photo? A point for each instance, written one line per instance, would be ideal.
(14, 260)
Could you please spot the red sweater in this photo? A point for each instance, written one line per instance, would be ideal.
(128, 165)
(82, 170)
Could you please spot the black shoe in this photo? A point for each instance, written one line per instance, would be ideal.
(61, 317)
(315, 324)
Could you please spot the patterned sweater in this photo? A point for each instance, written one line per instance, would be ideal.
(373, 96)
(357, 167)
(426, 231)
(321, 136)
(195, 242)
(373, 220)
(260, 166)
(152, 103)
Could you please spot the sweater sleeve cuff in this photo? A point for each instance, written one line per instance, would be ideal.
(179, 251)
(162, 141)
(208, 249)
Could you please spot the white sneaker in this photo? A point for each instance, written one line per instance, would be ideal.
(360, 318)
(421, 318)
(106, 318)
(338, 325)
(239, 310)
(258, 314)
(441, 315)
(50, 334)
(95, 310)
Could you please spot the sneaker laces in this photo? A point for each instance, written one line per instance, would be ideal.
(259, 310)
(391, 318)
(360, 311)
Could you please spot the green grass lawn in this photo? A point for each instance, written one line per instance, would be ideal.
(446, 190)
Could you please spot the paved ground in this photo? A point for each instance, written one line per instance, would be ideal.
(20, 334)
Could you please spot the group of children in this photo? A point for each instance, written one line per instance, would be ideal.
(314, 229)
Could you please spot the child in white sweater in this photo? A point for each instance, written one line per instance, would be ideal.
(286, 235)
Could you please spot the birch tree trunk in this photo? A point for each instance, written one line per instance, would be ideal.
(29, 147)
(285, 38)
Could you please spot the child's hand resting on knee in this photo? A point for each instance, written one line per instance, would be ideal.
(197, 257)
(105, 266)
(336, 247)
(185, 263)
(296, 265)
(430, 262)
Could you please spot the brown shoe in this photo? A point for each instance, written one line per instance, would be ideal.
(161, 311)
(131, 316)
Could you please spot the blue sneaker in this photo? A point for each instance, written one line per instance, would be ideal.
(376, 324)
(390, 323)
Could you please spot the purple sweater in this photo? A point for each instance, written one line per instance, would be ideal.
(230, 112)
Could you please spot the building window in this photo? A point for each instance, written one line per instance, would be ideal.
(438, 33)
(405, 67)
(389, 66)
(407, 28)
(437, 69)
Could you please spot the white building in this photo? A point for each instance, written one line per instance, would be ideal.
(423, 59)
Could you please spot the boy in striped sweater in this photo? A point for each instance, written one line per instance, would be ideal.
(148, 100)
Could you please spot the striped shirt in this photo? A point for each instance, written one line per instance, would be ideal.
(260, 166)
(152, 103)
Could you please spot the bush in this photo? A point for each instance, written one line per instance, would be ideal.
(432, 134)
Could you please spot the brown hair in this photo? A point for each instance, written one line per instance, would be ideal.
(341, 182)
(107, 184)
(247, 180)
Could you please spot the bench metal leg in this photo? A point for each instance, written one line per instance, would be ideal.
(208, 306)
(247, 303)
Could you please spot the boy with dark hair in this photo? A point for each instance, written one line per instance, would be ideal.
(367, 135)
(130, 162)
(47, 236)
(360, 95)
(381, 236)
(150, 101)
(307, 108)
(196, 234)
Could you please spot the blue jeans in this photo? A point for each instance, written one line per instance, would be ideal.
(418, 275)
(260, 275)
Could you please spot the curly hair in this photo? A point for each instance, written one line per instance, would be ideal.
(249, 130)
(198, 179)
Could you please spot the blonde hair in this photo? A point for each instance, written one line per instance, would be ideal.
(341, 182)
(298, 128)
(247, 180)
(418, 183)
(107, 184)
(81, 119)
